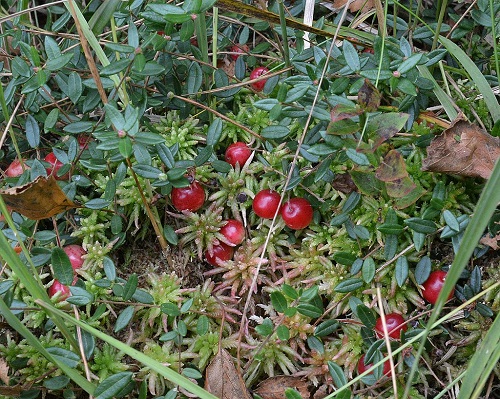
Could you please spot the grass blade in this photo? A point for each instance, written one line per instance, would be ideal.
(476, 75)
(166, 372)
(33, 341)
(482, 363)
(441, 95)
(487, 203)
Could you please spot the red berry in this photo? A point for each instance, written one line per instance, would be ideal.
(362, 367)
(189, 198)
(54, 167)
(234, 231)
(15, 169)
(433, 285)
(237, 153)
(75, 254)
(258, 86)
(297, 213)
(266, 203)
(220, 253)
(238, 50)
(394, 323)
(58, 287)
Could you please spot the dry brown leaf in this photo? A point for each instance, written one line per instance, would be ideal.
(274, 387)
(491, 242)
(4, 371)
(356, 5)
(464, 149)
(223, 380)
(39, 199)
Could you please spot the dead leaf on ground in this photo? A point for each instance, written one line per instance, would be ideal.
(464, 149)
(4, 371)
(274, 387)
(39, 199)
(356, 5)
(491, 242)
(223, 380)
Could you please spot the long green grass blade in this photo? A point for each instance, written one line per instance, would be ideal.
(482, 363)
(28, 275)
(33, 341)
(440, 94)
(476, 75)
(487, 204)
(102, 15)
(166, 372)
(94, 43)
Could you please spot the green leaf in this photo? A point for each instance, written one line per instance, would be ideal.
(421, 225)
(451, 220)
(75, 87)
(339, 378)
(130, 287)
(113, 385)
(97, 203)
(202, 325)
(125, 147)
(190, 372)
(275, 132)
(368, 270)
(32, 131)
(326, 327)
(114, 116)
(55, 64)
(214, 132)
(146, 171)
(266, 104)
(296, 93)
(366, 316)
(109, 268)
(143, 297)
(351, 56)
(170, 309)
(390, 228)
(423, 270)
(204, 155)
(357, 157)
(56, 383)
(80, 296)
(283, 333)
(124, 318)
(65, 356)
(266, 328)
(289, 291)
(195, 78)
(279, 301)
(291, 393)
(352, 202)
(61, 265)
(309, 310)
(401, 270)
(418, 240)
(409, 63)
(349, 285)
(88, 343)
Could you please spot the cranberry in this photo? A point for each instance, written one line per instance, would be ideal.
(15, 169)
(54, 167)
(234, 231)
(362, 367)
(220, 253)
(258, 86)
(266, 203)
(237, 153)
(394, 323)
(433, 286)
(75, 254)
(297, 213)
(238, 50)
(58, 287)
(189, 198)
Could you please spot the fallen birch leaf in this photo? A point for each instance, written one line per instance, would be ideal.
(463, 149)
(356, 5)
(491, 242)
(223, 380)
(4, 371)
(39, 199)
(274, 387)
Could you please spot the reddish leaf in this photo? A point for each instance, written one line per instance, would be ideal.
(383, 126)
(392, 168)
(400, 188)
(341, 111)
(464, 149)
(369, 97)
